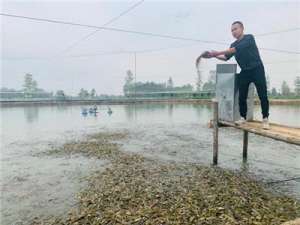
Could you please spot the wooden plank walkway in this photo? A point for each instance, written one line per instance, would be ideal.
(279, 132)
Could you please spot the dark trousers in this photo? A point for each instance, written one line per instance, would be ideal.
(257, 76)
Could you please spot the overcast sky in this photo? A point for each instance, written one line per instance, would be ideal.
(39, 48)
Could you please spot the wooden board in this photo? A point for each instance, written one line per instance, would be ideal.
(279, 132)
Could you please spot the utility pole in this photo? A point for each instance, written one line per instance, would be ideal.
(135, 76)
(135, 85)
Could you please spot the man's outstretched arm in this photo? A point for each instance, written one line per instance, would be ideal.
(229, 51)
(221, 57)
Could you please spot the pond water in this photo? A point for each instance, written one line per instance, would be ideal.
(33, 185)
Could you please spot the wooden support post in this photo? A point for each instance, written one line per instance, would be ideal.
(215, 132)
(245, 145)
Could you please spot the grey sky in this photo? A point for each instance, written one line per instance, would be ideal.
(37, 47)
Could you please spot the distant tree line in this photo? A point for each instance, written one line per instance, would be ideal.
(285, 91)
(30, 90)
(130, 88)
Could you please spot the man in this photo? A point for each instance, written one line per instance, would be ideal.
(252, 70)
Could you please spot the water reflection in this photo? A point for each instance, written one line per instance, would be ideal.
(130, 111)
(170, 110)
(152, 112)
(188, 134)
(31, 114)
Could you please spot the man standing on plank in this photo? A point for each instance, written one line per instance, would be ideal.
(252, 70)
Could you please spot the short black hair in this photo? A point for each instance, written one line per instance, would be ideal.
(238, 22)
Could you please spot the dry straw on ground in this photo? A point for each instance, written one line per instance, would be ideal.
(135, 190)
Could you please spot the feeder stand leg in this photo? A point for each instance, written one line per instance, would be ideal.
(245, 145)
(215, 132)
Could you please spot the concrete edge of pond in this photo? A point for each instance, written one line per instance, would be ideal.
(13, 103)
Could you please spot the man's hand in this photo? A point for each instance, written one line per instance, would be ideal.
(215, 54)
(205, 55)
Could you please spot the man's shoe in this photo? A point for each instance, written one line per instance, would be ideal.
(265, 124)
(240, 121)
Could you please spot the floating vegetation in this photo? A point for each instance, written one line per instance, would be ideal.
(135, 190)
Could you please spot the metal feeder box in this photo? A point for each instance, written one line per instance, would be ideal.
(227, 93)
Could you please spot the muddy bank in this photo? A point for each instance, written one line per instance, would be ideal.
(139, 190)
(281, 101)
(101, 102)
(130, 101)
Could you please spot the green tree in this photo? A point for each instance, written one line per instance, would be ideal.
(170, 84)
(34, 86)
(150, 87)
(83, 93)
(297, 86)
(129, 83)
(268, 83)
(199, 81)
(285, 89)
(274, 92)
(212, 76)
(29, 85)
(60, 94)
(184, 88)
(93, 93)
(208, 86)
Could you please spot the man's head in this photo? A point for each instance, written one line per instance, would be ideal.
(237, 29)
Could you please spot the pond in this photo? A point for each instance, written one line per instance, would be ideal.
(34, 185)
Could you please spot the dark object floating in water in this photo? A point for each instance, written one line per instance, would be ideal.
(84, 111)
(93, 109)
(109, 111)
